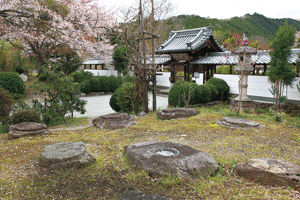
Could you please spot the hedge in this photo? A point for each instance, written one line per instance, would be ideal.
(13, 83)
(222, 87)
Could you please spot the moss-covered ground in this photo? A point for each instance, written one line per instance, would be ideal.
(21, 176)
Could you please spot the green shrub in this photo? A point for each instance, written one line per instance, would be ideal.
(226, 70)
(20, 70)
(122, 101)
(114, 82)
(105, 83)
(43, 77)
(5, 105)
(213, 91)
(129, 79)
(12, 83)
(80, 77)
(260, 110)
(96, 84)
(292, 109)
(26, 115)
(179, 93)
(4, 128)
(86, 87)
(222, 87)
(113, 100)
(202, 94)
(220, 69)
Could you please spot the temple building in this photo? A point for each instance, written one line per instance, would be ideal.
(188, 46)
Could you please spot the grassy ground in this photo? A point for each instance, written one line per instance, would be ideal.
(22, 177)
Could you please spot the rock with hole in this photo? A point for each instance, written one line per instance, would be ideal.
(115, 121)
(27, 128)
(238, 123)
(66, 155)
(271, 172)
(174, 113)
(165, 158)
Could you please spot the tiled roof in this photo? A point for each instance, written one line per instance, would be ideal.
(159, 59)
(186, 40)
(226, 58)
(96, 61)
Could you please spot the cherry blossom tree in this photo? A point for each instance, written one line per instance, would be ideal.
(42, 28)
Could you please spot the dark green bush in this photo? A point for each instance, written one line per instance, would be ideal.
(43, 77)
(20, 70)
(123, 98)
(113, 100)
(114, 83)
(222, 87)
(26, 115)
(129, 79)
(96, 84)
(214, 92)
(105, 83)
(292, 109)
(179, 92)
(80, 77)
(12, 83)
(202, 94)
(5, 104)
(86, 87)
(260, 110)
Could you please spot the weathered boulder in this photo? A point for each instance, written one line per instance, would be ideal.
(136, 195)
(115, 121)
(174, 113)
(24, 77)
(142, 114)
(272, 172)
(27, 128)
(165, 158)
(238, 123)
(65, 155)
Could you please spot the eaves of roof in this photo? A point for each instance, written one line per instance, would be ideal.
(96, 61)
(158, 59)
(186, 40)
(226, 58)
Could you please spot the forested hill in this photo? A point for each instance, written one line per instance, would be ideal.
(255, 25)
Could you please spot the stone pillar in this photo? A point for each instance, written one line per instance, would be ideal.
(243, 69)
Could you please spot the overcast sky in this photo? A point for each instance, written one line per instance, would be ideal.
(223, 9)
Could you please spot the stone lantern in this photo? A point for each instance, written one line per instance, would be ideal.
(243, 69)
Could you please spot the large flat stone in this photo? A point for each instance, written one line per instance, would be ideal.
(174, 113)
(165, 158)
(272, 172)
(115, 121)
(66, 154)
(238, 123)
(27, 128)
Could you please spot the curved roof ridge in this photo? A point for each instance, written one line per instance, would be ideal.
(168, 41)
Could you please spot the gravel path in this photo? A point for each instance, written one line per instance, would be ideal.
(99, 105)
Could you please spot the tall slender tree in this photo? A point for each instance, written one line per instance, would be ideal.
(281, 73)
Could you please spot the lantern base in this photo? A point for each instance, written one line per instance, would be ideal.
(242, 105)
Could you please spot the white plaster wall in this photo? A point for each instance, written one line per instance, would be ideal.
(163, 80)
(102, 72)
(258, 86)
(199, 80)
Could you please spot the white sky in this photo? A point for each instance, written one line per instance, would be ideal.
(223, 9)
